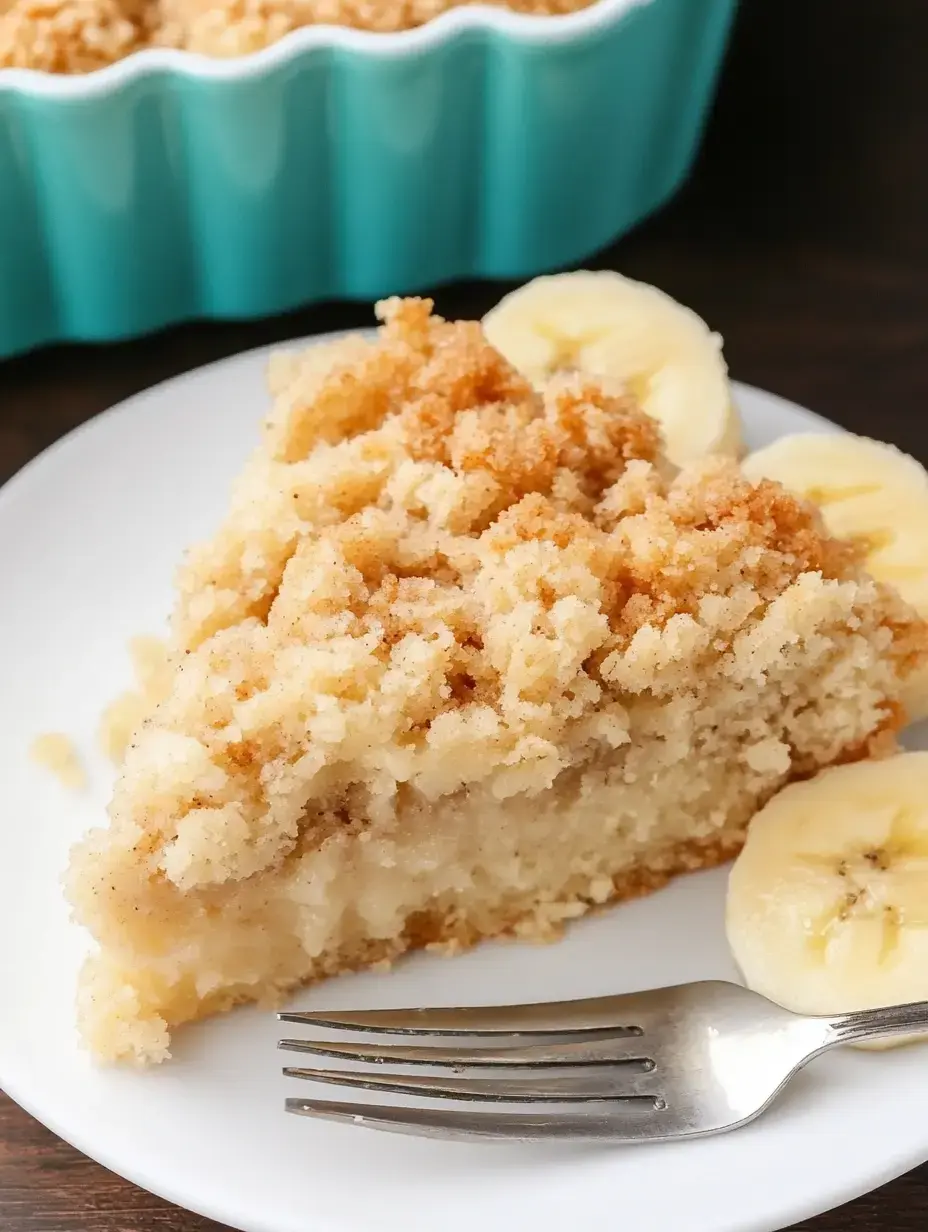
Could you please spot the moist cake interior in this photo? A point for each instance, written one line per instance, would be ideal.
(464, 660)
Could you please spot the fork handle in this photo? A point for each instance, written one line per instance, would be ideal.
(861, 1025)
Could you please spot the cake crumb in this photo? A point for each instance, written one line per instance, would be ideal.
(58, 753)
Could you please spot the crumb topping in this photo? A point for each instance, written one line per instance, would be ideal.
(433, 576)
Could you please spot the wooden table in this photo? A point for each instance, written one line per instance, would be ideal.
(802, 237)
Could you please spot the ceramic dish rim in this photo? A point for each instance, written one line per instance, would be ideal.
(454, 24)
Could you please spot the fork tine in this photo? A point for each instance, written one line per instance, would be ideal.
(632, 1123)
(616, 1082)
(592, 1052)
(550, 1018)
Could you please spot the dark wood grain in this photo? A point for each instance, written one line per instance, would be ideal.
(802, 237)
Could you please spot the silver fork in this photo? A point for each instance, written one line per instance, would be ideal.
(670, 1063)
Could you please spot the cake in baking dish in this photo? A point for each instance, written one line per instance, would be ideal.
(81, 36)
(464, 660)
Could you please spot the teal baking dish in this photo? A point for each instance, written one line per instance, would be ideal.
(341, 164)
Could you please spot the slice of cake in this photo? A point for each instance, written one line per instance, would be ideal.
(464, 660)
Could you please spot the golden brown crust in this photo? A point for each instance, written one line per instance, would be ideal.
(567, 469)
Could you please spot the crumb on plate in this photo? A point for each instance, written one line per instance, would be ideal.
(58, 753)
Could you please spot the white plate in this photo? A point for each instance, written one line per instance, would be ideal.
(89, 536)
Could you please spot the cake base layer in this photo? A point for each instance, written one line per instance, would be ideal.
(115, 1029)
(445, 875)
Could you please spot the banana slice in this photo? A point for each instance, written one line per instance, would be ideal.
(834, 466)
(609, 326)
(868, 492)
(828, 902)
